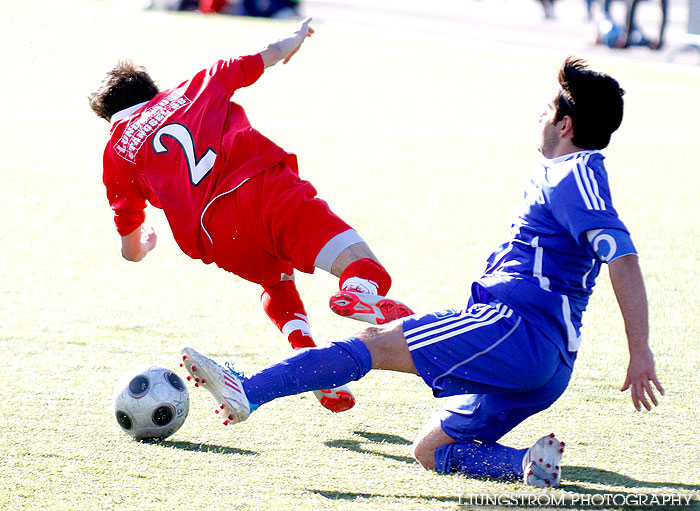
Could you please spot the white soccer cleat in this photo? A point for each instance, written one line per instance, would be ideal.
(374, 309)
(336, 400)
(222, 383)
(542, 463)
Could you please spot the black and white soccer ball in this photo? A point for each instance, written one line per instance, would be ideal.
(151, 403)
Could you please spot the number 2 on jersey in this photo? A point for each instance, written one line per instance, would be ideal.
(199, 169)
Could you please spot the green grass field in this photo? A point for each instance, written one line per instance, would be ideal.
(423, 143)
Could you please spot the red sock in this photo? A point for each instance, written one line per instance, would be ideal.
(284, 307)
(370, 270)
(299, 340)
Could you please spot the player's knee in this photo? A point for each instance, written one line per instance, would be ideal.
(428, 441)
(424, 453)
(388, 347)
(376, 340)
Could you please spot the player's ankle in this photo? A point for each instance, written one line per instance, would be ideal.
(366, 270)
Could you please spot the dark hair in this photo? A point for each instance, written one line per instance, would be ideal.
(124, 86)
(592, 99)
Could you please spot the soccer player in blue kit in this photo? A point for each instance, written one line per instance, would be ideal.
(510, 353)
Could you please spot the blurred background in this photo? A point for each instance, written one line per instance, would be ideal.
(574, 24)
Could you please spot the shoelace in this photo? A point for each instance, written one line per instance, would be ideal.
(238, 374)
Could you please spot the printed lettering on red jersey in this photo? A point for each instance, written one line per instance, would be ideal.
(146, 124)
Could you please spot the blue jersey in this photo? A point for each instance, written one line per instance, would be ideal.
(547, 270)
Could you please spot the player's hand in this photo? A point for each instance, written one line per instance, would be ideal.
(302, 31)
(640, 375)
(285, 48)
(136, 245)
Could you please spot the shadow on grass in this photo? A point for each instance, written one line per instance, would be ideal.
(375, 438)
(573, 473)
(598, 476)
(342, 495)
(190, 446)
(379, 438)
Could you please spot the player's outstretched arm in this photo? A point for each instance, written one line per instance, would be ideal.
(136, 245)
(284, 48)
(627, 282)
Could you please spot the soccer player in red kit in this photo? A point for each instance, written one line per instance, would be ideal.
(231, 195)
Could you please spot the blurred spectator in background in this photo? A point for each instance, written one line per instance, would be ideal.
(548, 6)
(263, 8)
(172, 5)
(624, 36)
(589, 8)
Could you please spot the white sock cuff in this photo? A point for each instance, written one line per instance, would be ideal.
(297, 324)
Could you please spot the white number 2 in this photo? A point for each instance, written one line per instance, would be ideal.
(199, 169)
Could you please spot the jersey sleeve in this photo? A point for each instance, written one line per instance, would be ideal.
(124, 196)
(610, 244)
(238, 72)
(581, 202)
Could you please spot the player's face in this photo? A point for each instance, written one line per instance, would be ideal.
(549, 137)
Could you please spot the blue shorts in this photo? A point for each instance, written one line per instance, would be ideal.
(499, 367)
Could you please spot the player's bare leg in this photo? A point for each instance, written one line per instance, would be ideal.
(430, 438)
(388, 347)
(349, 255)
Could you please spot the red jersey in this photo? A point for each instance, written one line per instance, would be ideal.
(184, 149)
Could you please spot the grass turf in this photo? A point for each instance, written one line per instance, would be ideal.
(423, 144)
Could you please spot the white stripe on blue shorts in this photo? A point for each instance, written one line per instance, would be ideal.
(475, 317)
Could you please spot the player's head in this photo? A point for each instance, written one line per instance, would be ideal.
(593, 101)
(125, 85)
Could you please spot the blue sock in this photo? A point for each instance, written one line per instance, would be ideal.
(494, 461)
(319, 368)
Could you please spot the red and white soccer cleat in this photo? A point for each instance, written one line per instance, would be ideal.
(223, 383)
(542, 463)
(369, 308)
(336, 400)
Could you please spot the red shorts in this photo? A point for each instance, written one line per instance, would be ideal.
(270, 225)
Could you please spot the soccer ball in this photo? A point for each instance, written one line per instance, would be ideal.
(151, 403)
